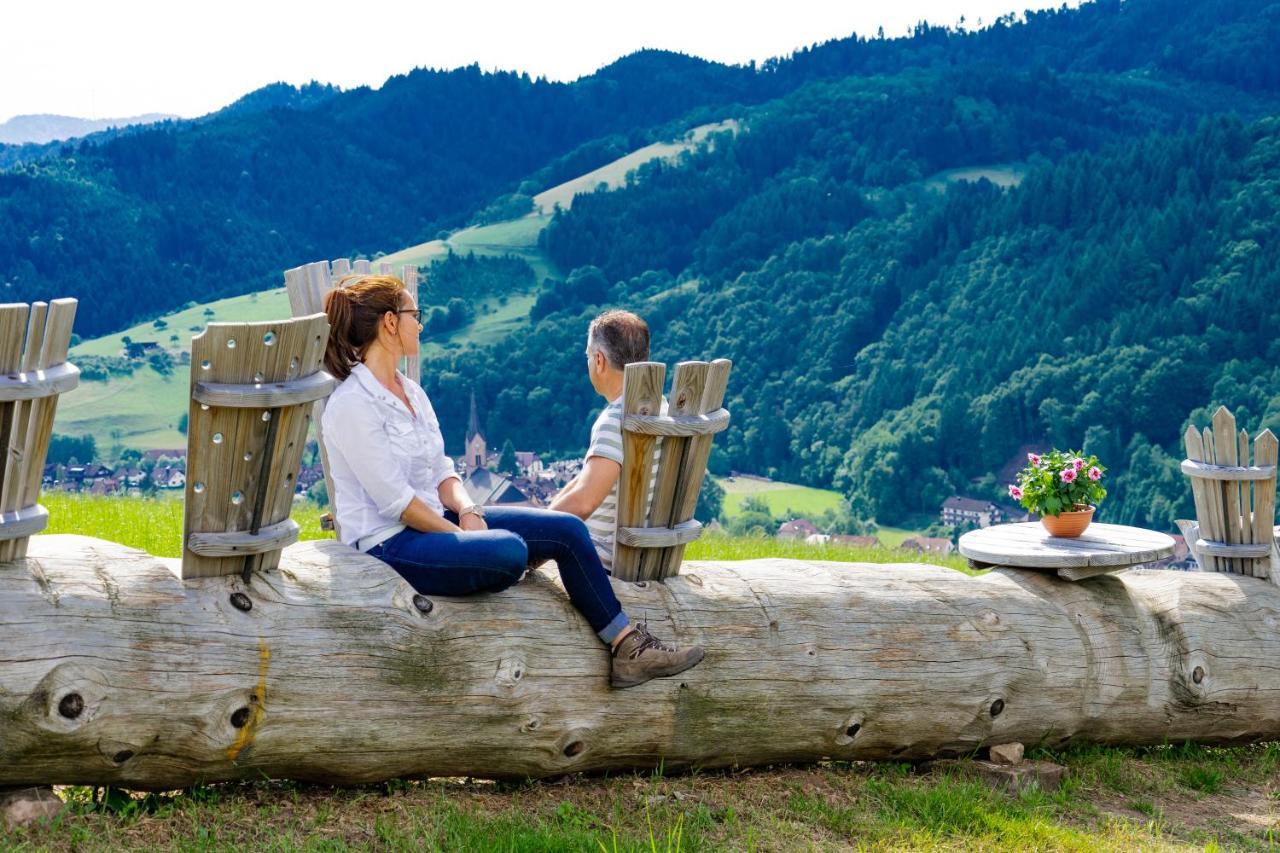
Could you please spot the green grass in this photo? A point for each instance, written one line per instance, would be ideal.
(827, 806)
(517, 237)
(251, 307)
(155, 525)
(715, 546)
(152, 524)
(145, 407)
(783, 499)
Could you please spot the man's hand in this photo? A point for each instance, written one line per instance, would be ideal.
(471, 521)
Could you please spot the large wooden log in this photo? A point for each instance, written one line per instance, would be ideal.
(112, 670)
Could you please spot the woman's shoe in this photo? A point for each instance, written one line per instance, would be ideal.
(641, 656)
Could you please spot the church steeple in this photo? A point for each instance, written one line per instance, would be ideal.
(473, 425)
(477, 449)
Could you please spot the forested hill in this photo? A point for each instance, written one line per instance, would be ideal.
(900, 337)
(141, 222)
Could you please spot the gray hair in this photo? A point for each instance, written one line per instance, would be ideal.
(621, 336)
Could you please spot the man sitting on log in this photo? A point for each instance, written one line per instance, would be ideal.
(614, 340)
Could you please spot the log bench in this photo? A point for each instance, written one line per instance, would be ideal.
(329, 669)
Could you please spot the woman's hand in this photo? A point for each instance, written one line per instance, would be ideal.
(471, 521)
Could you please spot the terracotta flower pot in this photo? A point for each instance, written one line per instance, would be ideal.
(1068, 525)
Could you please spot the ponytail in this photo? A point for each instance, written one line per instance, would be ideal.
(355, 307)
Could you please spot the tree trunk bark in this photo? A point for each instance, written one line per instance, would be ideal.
(114, 671)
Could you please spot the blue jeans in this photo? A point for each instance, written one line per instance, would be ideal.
(494, 559)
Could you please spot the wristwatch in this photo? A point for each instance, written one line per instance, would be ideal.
(473, 509)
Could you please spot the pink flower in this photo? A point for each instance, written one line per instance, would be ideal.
(1015, 493)
(1095, 474)
(1078, 463)
(1033, 459)
(1068, 475)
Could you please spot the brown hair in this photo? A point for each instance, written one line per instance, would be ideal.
(621, 336)
(355, 307)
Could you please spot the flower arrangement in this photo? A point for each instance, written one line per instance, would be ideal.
(1059, 481)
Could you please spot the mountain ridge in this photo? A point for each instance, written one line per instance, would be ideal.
(42, 128)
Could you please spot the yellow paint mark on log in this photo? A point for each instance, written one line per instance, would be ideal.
(257, 704)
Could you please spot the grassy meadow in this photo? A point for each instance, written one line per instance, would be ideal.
(783, 499)
(1174, 797)
(614, 175)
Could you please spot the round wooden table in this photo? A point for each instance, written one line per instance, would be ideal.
(1103, 548)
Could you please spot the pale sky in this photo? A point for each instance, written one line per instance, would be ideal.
(96, 59)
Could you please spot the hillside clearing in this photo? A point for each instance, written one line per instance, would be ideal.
(614, 175)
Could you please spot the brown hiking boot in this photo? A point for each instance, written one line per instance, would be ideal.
(641, 656)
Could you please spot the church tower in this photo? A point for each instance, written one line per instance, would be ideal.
(475, 443)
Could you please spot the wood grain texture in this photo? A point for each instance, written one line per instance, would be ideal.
(1264, 509)
(1224, 450)
(272, 537)
(1030, 546)
(656, 538)
(35, 366)
(687, 382)
(694, 467)
(30, 386)
(1222, 473)
(242, 463)
(679, 426)
(266, 394)
(641, 395)
(334, 676)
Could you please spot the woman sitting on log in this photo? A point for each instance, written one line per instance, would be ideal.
(398, 498)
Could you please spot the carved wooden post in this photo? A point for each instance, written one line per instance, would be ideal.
(252, 386)
(1235, 501)
(33, 372)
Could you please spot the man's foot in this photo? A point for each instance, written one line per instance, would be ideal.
(640, 656)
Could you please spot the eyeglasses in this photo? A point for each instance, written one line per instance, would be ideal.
(416, 312)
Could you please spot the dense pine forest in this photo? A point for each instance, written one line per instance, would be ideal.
(896, 334)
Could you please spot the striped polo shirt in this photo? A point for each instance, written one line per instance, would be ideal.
(606, 442)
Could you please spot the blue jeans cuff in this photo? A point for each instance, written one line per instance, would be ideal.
(610, 632)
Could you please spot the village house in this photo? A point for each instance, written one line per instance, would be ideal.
(106, 486)
(166, 477)
(928, 545)
(489, 489)
(960, 512)
(798, 528)
(529, 463)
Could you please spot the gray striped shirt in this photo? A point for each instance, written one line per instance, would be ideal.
(606, 442)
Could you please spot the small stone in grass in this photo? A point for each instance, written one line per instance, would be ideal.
(21, 806)
(1007, 753)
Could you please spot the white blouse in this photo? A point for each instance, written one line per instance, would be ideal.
(380, 456)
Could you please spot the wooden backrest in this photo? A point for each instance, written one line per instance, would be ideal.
(33, 372)
(1235, 500)
(307, 286)
(655, 513)
(252, 390)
